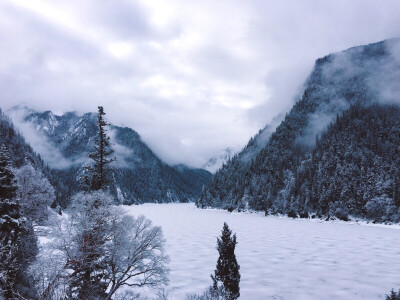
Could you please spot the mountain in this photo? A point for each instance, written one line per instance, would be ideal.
(342, 87)
(216, 162)
(139, 175)
(20, 152)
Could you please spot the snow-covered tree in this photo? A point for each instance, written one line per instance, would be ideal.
(105, 250)
(227, 271)
(17, 240)
(393, 295)
(91, 218)
(10, 225)
(137, 255)
(89, 262)
(35, 193)
(98, 175)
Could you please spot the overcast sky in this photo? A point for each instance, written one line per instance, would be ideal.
(191, 77)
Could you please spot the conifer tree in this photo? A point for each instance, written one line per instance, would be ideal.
(9, 225)
(98, 176)
(88, 279)
(89, 261)
(393, 295)
(17, 240)
(227, 270)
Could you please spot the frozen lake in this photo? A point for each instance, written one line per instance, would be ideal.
(280, 258)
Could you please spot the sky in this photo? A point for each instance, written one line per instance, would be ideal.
(191, 77)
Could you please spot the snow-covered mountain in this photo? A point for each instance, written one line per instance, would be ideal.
(64, 142)
(216, 162)
(336, 152)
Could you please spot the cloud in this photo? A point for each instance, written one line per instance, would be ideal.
(191, 77)
(123, 154)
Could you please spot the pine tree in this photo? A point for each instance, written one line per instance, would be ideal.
(9, 225)
(393, 295)
(88, 278)
(227, 270)
(89, 263)
(98, 175)
(17, 240)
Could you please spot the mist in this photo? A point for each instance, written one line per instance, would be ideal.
(373, 80)
(186, 79)
(39, 143)
(121, 153)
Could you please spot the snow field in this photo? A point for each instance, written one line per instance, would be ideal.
(280, 258)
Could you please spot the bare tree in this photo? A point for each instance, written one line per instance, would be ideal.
(137, 255)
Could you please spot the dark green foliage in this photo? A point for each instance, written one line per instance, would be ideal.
(393, 295)
(227, 270)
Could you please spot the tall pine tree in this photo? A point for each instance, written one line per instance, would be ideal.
(89, 267)
(227, 271)
(98, 176)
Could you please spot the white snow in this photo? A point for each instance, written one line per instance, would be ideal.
(216, 162)
(280, 258)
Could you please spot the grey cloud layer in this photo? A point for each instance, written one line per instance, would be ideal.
(191, 77)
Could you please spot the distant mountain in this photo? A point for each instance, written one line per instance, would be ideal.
(325, 157)
(216, 162)
(139, 175)
(243, 158)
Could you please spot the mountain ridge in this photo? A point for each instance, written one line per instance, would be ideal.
(354, 77)
(140, 176)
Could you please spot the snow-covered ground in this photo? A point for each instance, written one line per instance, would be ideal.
(280, 258)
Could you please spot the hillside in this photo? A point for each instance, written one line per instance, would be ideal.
(360, 77)
(20, 151)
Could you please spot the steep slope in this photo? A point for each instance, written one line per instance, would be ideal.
(139, 176)
(354, 168)
(358, 76)
(20, 151)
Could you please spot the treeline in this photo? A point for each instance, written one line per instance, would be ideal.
(353, 170)
(350, 170)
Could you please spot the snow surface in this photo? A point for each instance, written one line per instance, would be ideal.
(280, 258)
